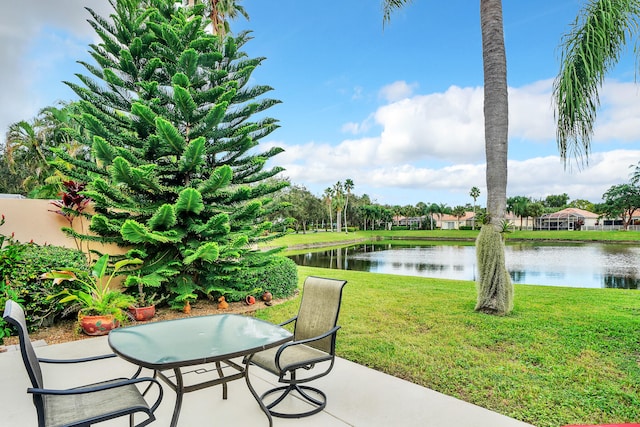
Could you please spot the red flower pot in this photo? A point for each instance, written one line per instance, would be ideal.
(143, 313)
(98, 325)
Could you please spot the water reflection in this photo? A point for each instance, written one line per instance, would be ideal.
(576, 265)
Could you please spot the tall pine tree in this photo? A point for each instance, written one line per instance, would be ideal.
(177, 174)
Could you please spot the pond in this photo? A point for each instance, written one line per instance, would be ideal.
(583, 265)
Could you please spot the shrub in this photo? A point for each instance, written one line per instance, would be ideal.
(6, 293)
(280, 277)
(11, 252)
(33, 291)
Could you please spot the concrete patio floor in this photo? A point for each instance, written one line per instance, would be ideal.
(357, 396)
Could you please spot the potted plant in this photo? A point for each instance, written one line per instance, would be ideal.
(145, 306)
(101, 308)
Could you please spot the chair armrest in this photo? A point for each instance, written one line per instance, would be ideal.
(80, 360)
(286, 345)
(87, 359)
(103, 386)
(118, 382)
(286, 322)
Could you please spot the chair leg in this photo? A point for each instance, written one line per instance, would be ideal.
(317, 404)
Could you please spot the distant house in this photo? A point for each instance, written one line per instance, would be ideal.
(445, 221)
(413, 222)
(568, 219)
(452, 222)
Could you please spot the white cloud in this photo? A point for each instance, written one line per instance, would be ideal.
(351, 127)
(431, 148)
(618, 117)
(24, 24)
(397, 91)
(541, 176)
(444, 126)
(531, 112)
(450, 178)
(356, 128)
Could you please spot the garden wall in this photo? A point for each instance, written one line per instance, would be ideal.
(32, 220)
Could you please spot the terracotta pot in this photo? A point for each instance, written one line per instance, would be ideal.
(266, 296)
(98, 325)
(250, 300)
(143, 313)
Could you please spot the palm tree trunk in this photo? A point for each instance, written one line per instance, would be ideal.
(346, 202)
(495, 291)
(496, 108)
(330, 218)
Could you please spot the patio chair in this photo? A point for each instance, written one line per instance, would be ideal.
(312, 349)
(84, 405)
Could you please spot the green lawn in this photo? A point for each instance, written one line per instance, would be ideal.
(292, 240)
(564, 355)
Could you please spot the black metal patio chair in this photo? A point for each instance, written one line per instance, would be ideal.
(312, 349)
(84, 405)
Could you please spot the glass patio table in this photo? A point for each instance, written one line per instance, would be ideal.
(177, 344)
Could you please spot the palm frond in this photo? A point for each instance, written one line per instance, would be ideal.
(589, 51)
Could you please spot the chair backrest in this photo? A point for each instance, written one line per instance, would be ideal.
(14, 314)
(319, 310)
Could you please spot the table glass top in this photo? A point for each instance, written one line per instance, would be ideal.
(195, 340)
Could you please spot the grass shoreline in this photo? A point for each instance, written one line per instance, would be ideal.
(563, 356)
(328, 238)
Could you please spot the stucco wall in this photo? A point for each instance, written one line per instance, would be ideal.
(32, 220)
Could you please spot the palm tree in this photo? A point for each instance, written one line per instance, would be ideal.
(348, 186)
(431, 210)
(535, 210)
(421, 209)
(518, 205)
(588, 51)
(26, 137)
(339, 203)
(37, 144)
(474, 193)
(442, 210)
(26, 145)
(409, 212)
(328, 200)
(220, 12)
(63, 133)
(397, 213)
(495, 291)
(459, 212)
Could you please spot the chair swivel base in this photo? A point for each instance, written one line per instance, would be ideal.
(318, 404)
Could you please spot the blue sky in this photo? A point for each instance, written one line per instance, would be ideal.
(397, 110)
